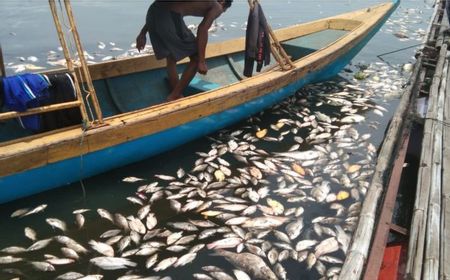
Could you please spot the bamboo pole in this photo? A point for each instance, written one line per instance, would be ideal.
(84, 66)
(419, 221)
(432, 250)
(2, 64)
(40, 110)
(357, 255)
(69, 62)
(445, 221)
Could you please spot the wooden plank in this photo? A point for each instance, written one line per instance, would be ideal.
(40, 110)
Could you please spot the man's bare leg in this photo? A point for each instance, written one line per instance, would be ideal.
(186, 78)
(172, 72)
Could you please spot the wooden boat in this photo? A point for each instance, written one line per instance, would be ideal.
(137, 125)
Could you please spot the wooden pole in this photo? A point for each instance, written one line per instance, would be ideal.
(69, 62)
(84, 66)
(40, 110)
(2, 64)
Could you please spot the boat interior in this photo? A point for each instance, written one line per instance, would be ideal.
(127, 85)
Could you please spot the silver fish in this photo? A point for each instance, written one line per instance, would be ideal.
(327, 246)
(251, 264)
(13, 250)
(166, 263)
(38, 245)
(42, 266)
(265, 222)
(30, 233)
(70, 276)
(9, 259)
(185, 259)
(111, 263)
(102, 248)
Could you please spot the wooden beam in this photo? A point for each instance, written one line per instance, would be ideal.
(39, 110)
(69, 62)
(84, 67)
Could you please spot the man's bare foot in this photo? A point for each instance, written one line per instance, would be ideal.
(173, 97)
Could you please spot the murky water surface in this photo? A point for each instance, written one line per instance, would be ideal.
(280, 191)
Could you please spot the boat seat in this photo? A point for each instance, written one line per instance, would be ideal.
(198, 85)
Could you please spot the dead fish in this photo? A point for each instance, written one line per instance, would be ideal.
(102, 248)
(166, 263)
(79, 220)
(105, 214)
(151, 221)
(305, 244)
(13, 250)
(185, 259)
(70, 243)
(70, 253)
(60, 261)
(131, 179)
(136, 225)
(70, 276)
(353, 119)
(19, 212)
(327, 246)
(306, 155)
(56, 223)
(251, 264)
(184, 226)
(231, 242)
(172, 238)
(38, 245)
(111, 263)
(151, 261)
(165, 177)
(36, 210)
(42, 266)
(265, 222)
(9, 259)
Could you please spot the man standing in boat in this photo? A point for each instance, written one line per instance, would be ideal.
(171, 38)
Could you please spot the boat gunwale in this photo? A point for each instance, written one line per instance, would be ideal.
(72, 136)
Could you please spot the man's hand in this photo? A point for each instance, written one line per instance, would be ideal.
(141, 40)
(202, 67)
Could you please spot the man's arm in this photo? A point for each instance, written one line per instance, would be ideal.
(202, 35)
(141, 39)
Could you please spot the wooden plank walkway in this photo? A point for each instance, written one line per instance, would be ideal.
(429, 244)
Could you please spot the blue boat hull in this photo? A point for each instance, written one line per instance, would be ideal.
(71, 170)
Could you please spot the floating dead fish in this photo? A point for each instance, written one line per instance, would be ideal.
(249, 263)
(56, 223)
(111, 263)
(102, 248)
(131, 179)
